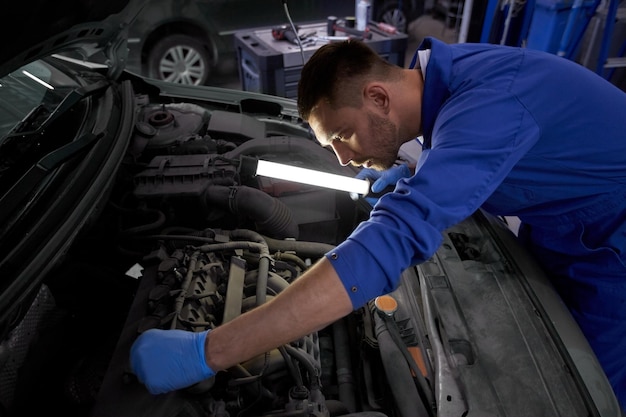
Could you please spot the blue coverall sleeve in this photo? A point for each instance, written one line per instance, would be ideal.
(477, 139)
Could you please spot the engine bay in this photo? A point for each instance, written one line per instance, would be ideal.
(259, 236)
(187, 241)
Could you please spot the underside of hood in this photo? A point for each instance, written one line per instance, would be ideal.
(34, 29)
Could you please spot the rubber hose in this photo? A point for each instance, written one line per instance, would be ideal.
(270, 214)
(343, 361)
(399, 377)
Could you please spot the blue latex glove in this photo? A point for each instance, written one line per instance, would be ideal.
(383, 179)
(167, 360)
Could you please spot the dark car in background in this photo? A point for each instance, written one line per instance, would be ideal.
(124, 206)
(185, 41)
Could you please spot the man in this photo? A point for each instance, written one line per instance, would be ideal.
(514, 131)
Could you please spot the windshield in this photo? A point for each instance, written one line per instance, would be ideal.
(30, 87)
(29, 98)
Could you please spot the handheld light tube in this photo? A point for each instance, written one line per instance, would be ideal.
(312, 177)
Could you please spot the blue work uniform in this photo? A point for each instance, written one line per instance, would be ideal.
(522, 133)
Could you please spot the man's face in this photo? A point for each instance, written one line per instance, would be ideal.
(359, 137)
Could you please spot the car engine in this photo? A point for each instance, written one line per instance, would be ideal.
(221, 244)
(189, 242)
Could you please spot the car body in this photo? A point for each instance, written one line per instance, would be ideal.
(186, 41)
(124, 207)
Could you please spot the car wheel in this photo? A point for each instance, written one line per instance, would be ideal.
(392, 13)
(179, 59)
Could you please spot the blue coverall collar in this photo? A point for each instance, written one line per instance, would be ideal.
(436, 81)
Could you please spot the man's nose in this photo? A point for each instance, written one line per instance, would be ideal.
(343, 152)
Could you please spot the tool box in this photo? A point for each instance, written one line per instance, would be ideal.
(272, 66)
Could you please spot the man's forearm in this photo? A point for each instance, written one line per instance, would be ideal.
(312, 302)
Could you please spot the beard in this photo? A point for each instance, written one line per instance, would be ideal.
(384, 142)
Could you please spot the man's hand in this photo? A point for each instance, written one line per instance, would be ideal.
(167, 360)
(383, 179)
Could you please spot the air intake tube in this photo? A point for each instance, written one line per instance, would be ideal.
(270, 215)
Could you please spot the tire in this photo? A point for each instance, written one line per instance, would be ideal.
(179, 59)
(390, 13)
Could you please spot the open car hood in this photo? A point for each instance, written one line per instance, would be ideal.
(75, 27)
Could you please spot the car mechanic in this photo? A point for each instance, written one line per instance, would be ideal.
(514, 131)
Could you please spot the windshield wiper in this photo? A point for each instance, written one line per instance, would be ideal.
(70, 100)
(24, 146)
(33, 177)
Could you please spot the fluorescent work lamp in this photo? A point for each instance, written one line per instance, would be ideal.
(253, 166)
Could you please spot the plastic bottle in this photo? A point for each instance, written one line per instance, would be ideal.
(363, 14)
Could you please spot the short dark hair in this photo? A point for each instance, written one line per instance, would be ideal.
(336, 72)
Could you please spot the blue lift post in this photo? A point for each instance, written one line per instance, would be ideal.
(577, 21)
(604, 62)
(574, 29)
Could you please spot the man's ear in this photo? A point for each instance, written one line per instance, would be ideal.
(377, 95)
